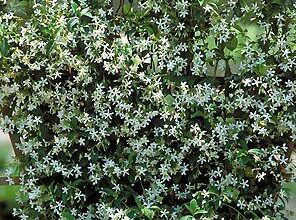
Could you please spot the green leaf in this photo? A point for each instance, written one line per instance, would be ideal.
(290, 187)
(77, 182)
(232, 44)
(127, 8)
(198, 114)
(238, 27)
(64, 197)
(194, 209)
(169, 100)
(279, 2)
(187, 217)
(67, 216)
(155, 63)
(148, 213)
(85, 12)
(137, 60)
(192, 206)
(155, 207)
(72, 135)
(133, 213)
(211, 6)
(131, 158)
(211, 42)
(200, 211)
(74, 122)
(22, 9)
(72, 22)
(232, 193)
(220, 119)
(201, 2)
(4, 47)
(230, 120)
(74, 6)
(249, 172)
(49, 47)
(261, 70)
(256, 152)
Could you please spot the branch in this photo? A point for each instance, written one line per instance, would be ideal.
(4, 180)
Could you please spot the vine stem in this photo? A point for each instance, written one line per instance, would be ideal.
(120, 6)
(240, 214)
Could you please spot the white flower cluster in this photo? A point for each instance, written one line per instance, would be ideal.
(133, 116)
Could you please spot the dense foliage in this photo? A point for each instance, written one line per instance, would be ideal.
(160, 109)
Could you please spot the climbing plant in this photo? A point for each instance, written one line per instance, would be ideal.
(155, 109)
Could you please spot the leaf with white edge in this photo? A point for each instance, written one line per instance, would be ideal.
(200, 211)
(86, 12)
(256, 152)
(187, 217)
(72, 22)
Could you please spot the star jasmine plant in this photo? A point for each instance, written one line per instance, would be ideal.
(155, 109)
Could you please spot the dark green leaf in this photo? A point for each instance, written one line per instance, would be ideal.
(4, 47)
(49, 46)
(278, 2)
(232, 44)
(72, 22)
(74, 122)
(72, 135)
(238, 27)
(67, 216)
(133, 213)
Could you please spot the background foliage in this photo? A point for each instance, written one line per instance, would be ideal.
(7, 193)
(153, 110)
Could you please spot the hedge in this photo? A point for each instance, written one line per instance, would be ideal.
(155, 109)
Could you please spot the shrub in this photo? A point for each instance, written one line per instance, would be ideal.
(155, 110)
